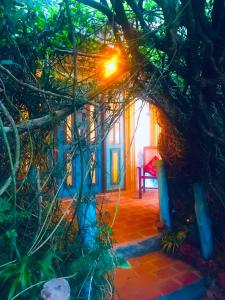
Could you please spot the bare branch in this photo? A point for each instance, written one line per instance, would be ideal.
(218, 14)
(138, 13)
(100, 7)
(84, 54)
(13, 165)
(34, 88)
(41, 122)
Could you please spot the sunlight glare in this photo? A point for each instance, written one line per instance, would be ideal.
(111, 66)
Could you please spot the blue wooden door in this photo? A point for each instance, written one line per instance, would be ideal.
(78, 159)
(114, 156)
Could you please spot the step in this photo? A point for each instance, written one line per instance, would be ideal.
(155, 276)
(139, 247)
(192, 291)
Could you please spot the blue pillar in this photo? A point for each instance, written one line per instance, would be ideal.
(86, 217)
(203, 220)
(163, 193)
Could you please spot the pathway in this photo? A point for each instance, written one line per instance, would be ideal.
(156, 276)
(153, 275)
(135, 219)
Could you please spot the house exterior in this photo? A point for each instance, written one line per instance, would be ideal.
(98, 151)
(100, 146)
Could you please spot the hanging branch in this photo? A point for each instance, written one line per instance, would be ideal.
(42, 122)
(34, 88)
(102, 8)
(14, 166)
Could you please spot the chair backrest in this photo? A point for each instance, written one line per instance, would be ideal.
(149, 153)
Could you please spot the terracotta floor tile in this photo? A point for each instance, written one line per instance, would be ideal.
(164, 272)
(169, 286)
(143, 282)
(180, 267)
(187, 278)
(135, 218)
(151, 275)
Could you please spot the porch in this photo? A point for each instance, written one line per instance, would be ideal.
(132, 219)
(153, 275)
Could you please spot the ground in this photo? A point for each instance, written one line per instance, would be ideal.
(153, 275)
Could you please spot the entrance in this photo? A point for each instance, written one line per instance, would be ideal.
(90, 163)
(96, 161)
(146, 135)
(114, 156)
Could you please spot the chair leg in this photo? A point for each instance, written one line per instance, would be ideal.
(139, 184)
(144, 183)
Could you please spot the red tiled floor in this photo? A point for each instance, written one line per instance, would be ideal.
(147, 281)
(135, 219)
(132, 220)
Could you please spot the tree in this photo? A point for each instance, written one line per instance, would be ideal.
(176, 51)
(39, 87)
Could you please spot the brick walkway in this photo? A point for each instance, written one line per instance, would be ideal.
(152, 276)
(135, 219)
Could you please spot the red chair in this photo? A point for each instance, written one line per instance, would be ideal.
(148, 170)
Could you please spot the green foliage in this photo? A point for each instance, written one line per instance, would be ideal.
(34, 36)
(18, 275)
(4, 210)
(171, 240)
(95, 266)
(7, 215)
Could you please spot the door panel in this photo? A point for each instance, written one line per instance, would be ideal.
(114, 155)
(83, 169)
(79, 166)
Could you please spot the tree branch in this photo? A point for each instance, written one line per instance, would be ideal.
(83, 54)
(34, 88)
(45, 121)
(217, 14)
(100, 7)
(59, 115)
(138, 13)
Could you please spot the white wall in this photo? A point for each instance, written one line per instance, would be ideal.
(142, 134)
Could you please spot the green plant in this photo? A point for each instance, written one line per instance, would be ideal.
(18, 275)
(171, 240)
(94, 273)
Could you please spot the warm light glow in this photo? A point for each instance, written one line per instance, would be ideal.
(111, 66)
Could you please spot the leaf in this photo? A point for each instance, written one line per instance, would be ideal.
(8, 272)
(5, 208)
(13, 288)
(46, 264)
(11, 234)
(123, 263)
(24, 275)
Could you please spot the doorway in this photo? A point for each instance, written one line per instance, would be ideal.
(110, 160)
(94, 163)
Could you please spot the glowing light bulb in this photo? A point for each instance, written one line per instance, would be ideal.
(111, 66)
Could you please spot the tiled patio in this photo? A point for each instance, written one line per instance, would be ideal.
(132, 219)
(152, 276)
(156, 275)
